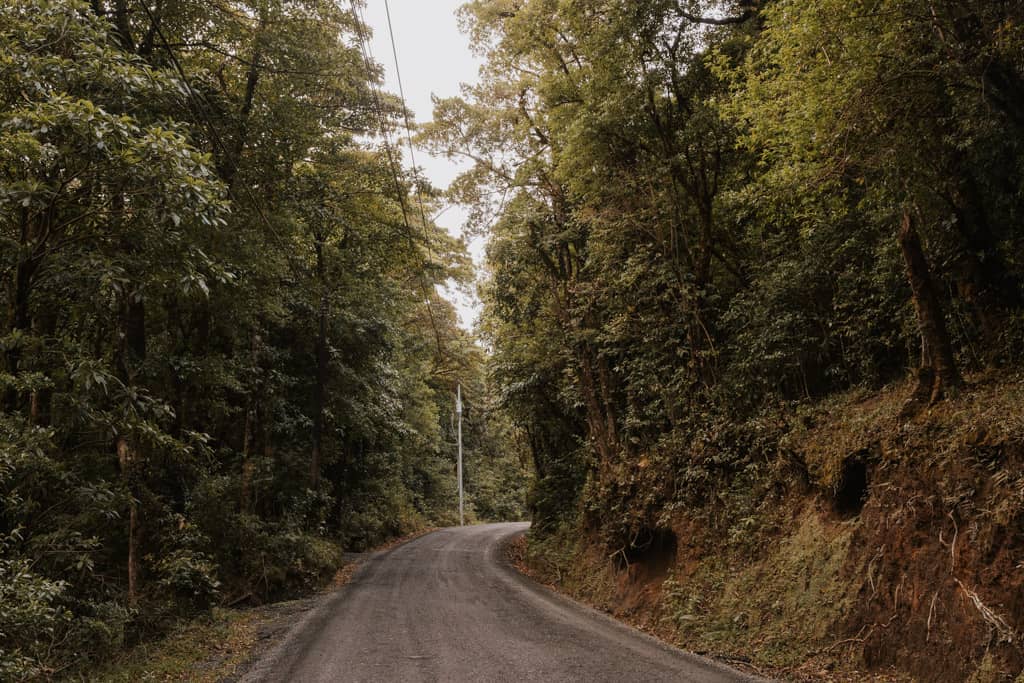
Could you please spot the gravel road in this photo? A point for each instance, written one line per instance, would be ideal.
(448, 607)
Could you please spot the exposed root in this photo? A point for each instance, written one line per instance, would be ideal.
(1006, 632)
(861, 637)
(621, 552)
(952, 546)
(931, 613)
(871, 570)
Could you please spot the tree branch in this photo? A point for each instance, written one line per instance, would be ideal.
(714, 21)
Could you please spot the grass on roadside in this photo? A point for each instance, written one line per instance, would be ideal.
(205, 650)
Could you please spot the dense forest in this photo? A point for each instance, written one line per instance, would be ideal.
(224, 355)
(753, 315)
(715, 227)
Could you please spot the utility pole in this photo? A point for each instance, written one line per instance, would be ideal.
(458, 412)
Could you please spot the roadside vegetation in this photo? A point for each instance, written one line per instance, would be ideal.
(754, 316)
(755, 303)
(218, 367)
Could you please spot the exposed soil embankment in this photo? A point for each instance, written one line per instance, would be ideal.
(894, 550)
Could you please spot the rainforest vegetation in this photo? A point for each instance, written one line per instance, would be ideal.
(753, 312)
(224, 357)
(715, 226)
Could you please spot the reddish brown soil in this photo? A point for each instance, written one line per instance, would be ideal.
(936, 562)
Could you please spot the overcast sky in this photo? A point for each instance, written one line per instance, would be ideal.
(435, 59)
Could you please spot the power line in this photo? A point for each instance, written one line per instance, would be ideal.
(419, 194)
(408, 125)
(199, 109)
(393, 164)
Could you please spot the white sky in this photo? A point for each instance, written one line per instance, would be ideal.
(435, 59)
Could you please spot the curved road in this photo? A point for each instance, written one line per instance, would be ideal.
(447, 607)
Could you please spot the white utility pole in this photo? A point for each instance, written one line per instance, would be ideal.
(458, 411)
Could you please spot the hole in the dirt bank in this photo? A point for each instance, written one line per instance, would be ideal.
(852, 491)
(654, 548)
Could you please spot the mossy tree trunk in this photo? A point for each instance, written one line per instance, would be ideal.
(938, 372)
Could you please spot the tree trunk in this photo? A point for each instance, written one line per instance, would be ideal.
(595, 418)
(252, 415)
(265, 444)
(135, 330)
(229, 166)
(126, 459)
(129, 354)
(20, 321)
(938, 372)
(122, 26)
(701, 344)
(45, 323)
(605, 378)
(248, 464)
(984, 282)
(320, 385)
(19, 317)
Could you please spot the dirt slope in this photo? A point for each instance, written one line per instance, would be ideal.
(894, 550)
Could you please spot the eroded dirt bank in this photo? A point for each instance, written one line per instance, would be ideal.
(869, 547)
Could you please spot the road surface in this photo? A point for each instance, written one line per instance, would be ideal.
(448, 607)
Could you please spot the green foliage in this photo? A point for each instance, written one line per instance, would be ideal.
(187, 575)
(217, 366)
(29, 614)
(694, 227)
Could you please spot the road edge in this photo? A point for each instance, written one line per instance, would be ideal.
(500, 557)
(261, 665)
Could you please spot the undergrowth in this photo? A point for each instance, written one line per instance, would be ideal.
(919, 577)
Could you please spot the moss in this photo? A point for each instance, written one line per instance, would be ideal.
(777, 609)
(771, 571)
(988, 671)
